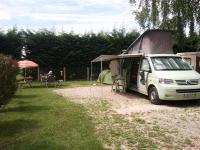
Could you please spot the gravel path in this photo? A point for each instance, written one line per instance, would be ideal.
(123, 103)
(182, 118)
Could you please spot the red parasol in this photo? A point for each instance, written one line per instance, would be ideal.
(27, 64)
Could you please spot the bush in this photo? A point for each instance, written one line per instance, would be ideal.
(8, 84)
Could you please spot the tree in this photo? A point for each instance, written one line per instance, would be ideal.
(176, 15)
(8, 85)
(168, 14)
(73, 51)
(11, 43)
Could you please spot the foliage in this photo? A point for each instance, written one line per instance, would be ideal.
(54, 51)
(177, 15)
(40, 119)
(8, 83)
(11, 43)
(73, 51)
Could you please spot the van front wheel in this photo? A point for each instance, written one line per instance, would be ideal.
(153, 96)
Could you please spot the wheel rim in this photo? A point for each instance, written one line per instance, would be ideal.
(153, 96)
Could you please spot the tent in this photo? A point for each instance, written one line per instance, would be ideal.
(105, 77)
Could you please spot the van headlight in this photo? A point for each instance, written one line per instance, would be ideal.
(166, 81)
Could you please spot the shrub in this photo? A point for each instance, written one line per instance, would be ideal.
(8, 84)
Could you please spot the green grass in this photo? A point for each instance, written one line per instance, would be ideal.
(38, 119)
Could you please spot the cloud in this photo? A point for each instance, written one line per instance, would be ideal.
(87, 15)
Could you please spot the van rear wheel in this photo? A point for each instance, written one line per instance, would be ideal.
(153, 96)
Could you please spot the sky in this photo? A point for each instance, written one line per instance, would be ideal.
(79, 16)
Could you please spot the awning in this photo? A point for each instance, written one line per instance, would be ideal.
(105, 58)
(112, 57)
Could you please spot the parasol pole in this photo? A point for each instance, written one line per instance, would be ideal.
(25, 72)
(38, 73)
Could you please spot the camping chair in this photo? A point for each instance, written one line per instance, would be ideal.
(43, 78)
(119, 84)
(52, 79)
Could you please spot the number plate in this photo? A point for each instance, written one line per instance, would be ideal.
(189, 95)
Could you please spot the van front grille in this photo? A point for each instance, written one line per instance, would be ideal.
(188, 82)
(188, 91)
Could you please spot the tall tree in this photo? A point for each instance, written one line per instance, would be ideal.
(168, 14)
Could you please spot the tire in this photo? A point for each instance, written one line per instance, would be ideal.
(153, 96)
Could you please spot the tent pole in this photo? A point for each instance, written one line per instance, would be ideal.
(101, 79)
(91, 72)
(88, 74)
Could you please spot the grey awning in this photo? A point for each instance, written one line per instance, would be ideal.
(105, 58)
(112, 57)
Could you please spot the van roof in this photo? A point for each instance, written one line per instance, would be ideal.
(154, 41)
(162, 55)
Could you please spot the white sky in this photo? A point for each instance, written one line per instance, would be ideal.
(66, 15)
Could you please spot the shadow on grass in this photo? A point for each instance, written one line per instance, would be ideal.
(29, 109)
(25, 96)
(32, 87)
(10, 128)
(44, 144)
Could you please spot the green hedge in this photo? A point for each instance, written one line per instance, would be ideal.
(8, 84)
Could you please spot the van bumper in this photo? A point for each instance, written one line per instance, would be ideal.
(168, 92)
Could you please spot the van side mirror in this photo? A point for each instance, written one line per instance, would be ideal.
(146, 68)
(141, 73)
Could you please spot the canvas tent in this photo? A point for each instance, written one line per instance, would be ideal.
(105, 77)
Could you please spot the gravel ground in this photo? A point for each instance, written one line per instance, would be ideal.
(181, 120)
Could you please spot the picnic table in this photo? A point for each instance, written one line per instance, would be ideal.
(26, 80)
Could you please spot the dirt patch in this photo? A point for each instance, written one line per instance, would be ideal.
(172, 125)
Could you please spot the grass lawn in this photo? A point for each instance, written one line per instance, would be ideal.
(38, 119)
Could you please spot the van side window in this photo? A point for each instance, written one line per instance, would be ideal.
(145, 65)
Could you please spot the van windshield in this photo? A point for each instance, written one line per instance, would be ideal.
(170, 63)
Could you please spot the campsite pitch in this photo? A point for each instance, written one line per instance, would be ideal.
(129, 120)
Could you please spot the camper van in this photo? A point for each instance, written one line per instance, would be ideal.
(162, 77)
(150, 67)
(157, 71)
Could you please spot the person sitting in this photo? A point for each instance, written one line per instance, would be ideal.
(51, 77)
(50, 73)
